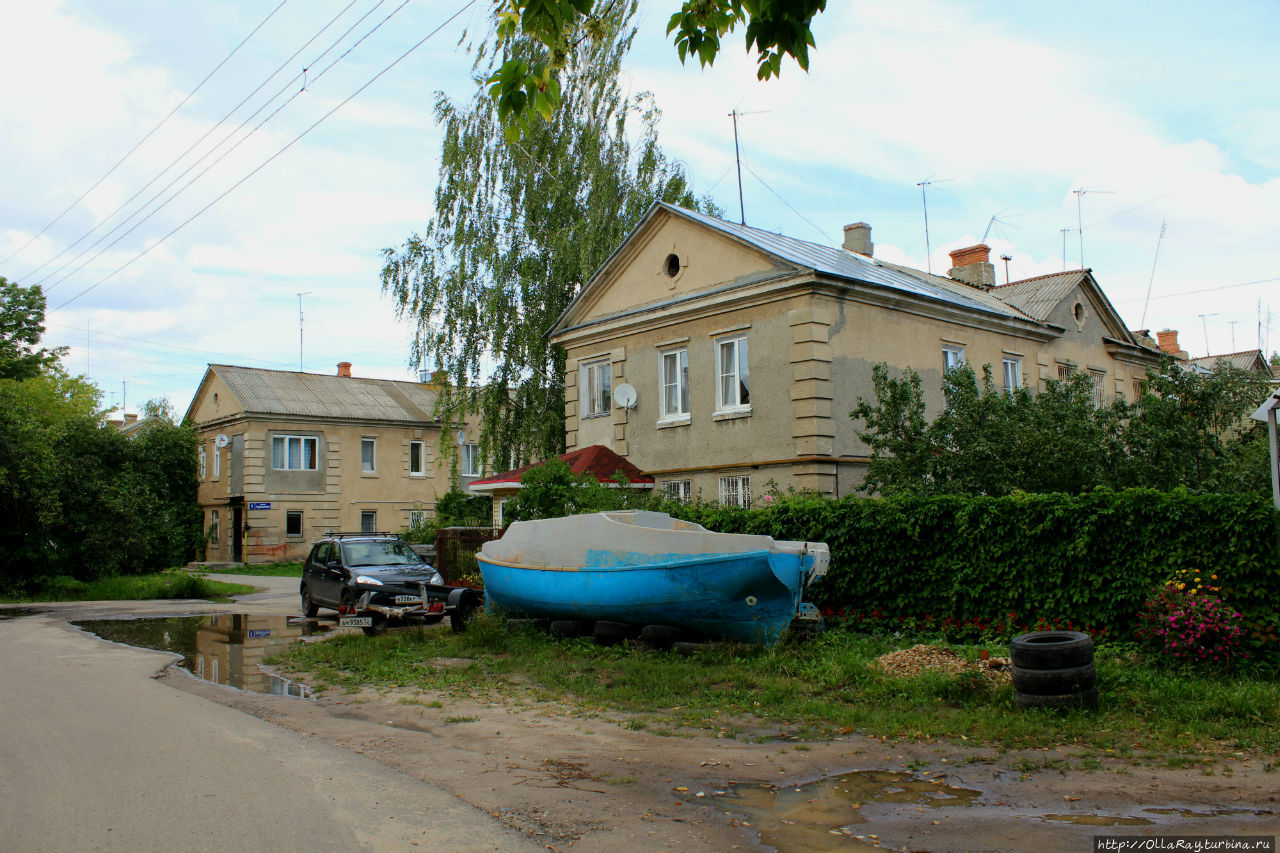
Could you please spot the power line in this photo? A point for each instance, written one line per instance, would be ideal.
(784, 201)
(1208, 289)
(266, 162)
(192, 147)
(220, 143)
(139, 143)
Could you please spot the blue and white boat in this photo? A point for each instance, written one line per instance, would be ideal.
(647, 568)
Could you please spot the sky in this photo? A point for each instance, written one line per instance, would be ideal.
(248, 228)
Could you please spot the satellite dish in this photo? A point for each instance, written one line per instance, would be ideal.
(462, 437)
(626, 395)
(221, 440)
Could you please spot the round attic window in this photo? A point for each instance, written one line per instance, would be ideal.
(1078, 311)
(672, 266)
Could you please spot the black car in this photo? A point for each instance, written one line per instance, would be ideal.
(341, 568)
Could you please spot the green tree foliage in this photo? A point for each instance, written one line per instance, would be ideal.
(21, 325)
(1188, 430)
(552, 490)
(80, 499)
(524, 86)
(518, 227)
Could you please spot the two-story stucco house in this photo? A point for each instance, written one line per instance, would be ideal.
(746, 349)
(287, 456)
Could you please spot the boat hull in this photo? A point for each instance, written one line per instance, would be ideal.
(749, 595)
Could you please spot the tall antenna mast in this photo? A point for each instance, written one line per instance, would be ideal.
(737, 158)
(1064, 246)
(1153, 274)
(1204, 323)
(1006, 259)
(300, 295)
(1081, 192)
(924, 201)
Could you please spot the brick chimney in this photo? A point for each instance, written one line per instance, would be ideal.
(857, 238)
(1168, 340)
(344, 369)
(971, 265)
(131, 418)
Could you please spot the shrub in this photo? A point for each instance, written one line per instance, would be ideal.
(1190, 625)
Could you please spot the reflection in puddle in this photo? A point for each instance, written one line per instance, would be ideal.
(15, 612)
(823, 815)
(224, 649)
(1098, 820)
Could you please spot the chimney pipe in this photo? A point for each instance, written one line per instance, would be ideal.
(344, 369)
(857, 238)
(972, 265)
(1168, 340)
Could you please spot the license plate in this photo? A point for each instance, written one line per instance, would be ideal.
(356, 621)
(408, 599)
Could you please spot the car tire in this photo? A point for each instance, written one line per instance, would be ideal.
(1051, 650)
(461, 617)
(613, 633)
(688, 649)
(570, 628)
(1062, 702)
(379, 626)
(309, 606)
(661, 636)
(1051, 682)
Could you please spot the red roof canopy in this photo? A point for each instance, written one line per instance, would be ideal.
(597, 460)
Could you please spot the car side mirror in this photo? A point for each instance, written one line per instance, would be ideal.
(333, 566)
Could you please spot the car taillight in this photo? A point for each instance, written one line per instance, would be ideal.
(435, 607)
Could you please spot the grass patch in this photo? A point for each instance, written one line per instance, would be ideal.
(822, 688)
(274, 570)
(175, 583)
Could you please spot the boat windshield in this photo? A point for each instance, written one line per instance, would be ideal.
(391, 552)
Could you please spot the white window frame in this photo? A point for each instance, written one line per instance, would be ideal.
(735, 491)
(215, 528)
(502, 511)
(678, 388)
(1066, 371)
(370, 465)
(678, 490)
(417, 518)
(1012, 366)
(301, 529)
(204, 462)
(952, 357)
(217, 462)
(596, 388)
(285, 441)
(371, 515)
(469, 460)
(421, 470)
(1099, 390)
(730, 398)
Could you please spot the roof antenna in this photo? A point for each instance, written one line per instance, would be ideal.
(1081, 192)
(1000, 218)
(1143, 324)
(300, 295)
(928, 252)
(1204, 323)
(742, 211)
(1006, 259)
(1064, 247)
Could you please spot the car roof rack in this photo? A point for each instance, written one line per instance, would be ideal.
(357, 534)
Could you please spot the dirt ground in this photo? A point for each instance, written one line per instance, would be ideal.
(591, 783)
(583, 782)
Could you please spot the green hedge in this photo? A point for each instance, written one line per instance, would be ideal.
(999, 566)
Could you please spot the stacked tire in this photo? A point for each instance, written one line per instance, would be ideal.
(1054, 669)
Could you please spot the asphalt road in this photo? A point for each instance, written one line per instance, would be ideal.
(97, 755)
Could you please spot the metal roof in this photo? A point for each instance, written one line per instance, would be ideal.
(1248, 360)
(1040, 295)
(287, 393)
(840, 262)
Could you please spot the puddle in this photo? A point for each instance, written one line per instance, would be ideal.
(17, 612)
(825, 814)
(1098, 820)
(224, 649)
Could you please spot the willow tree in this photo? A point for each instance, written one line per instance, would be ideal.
(518, 227)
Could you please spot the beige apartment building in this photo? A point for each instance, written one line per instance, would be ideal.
(285, 457)
(743, 351)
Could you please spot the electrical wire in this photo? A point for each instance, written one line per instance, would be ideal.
(266, 162)
(784, 201)
(219, 144)
(192, 147)
(139, 143)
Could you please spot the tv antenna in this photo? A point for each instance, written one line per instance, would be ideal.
(1064, 246)
(300, 295)
(1232, 324)
(998, 218)
(924, 201)
(1081, 192)
(742, 211)
(1205, 325)
(1006, 259)
(1153, 273)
